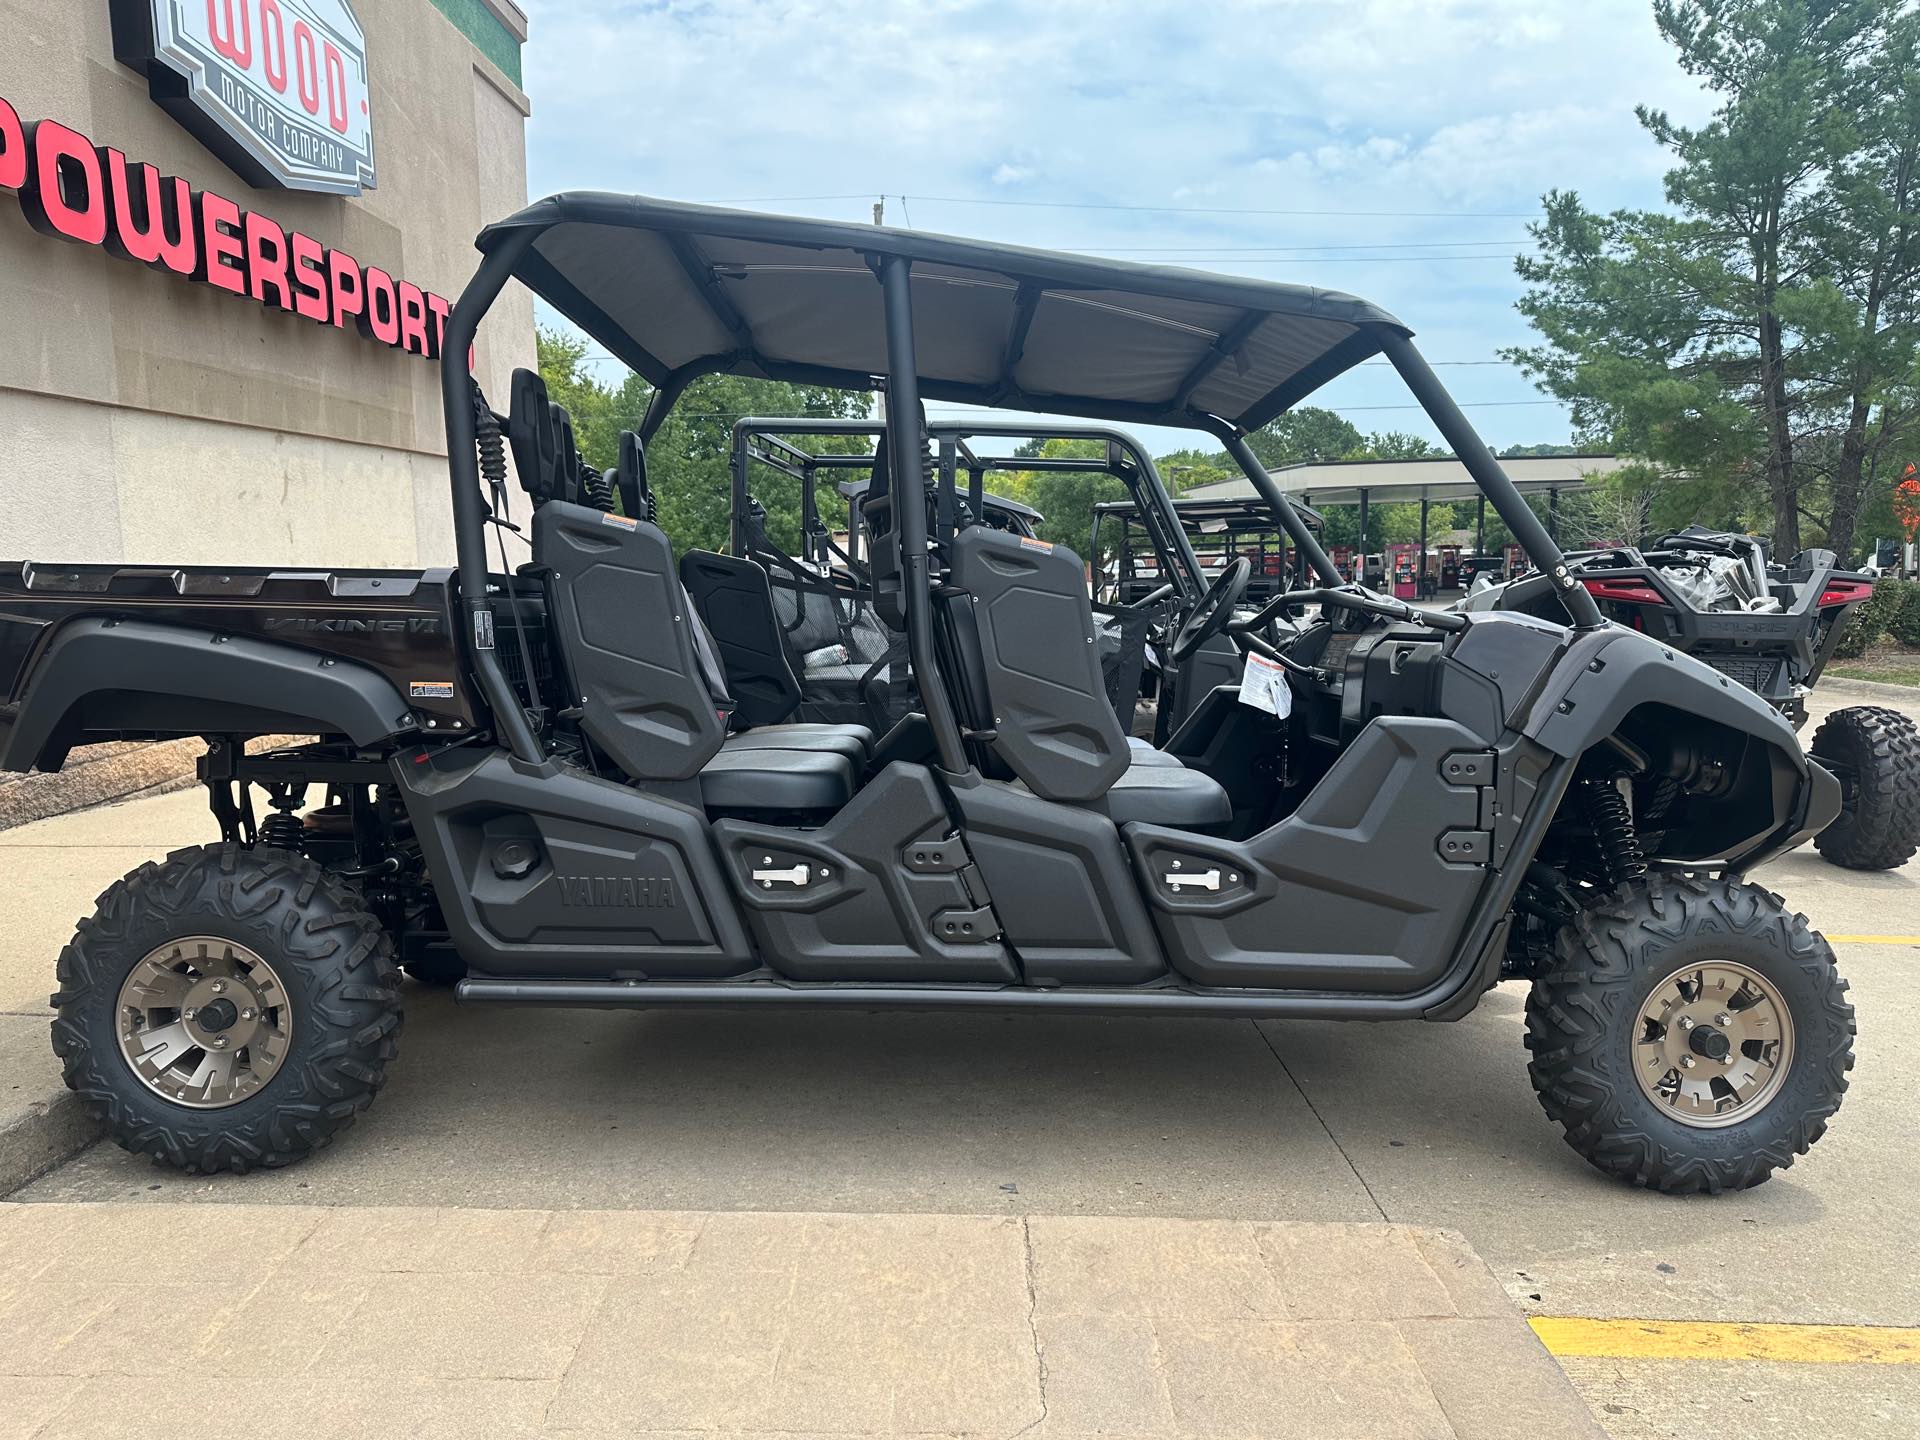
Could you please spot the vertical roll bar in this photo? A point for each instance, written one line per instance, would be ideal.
(469, 514)
(906, 421)
(1276, 498)
(1507, 500)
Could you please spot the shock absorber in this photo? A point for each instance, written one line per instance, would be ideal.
(1616, 847)
(284, 829)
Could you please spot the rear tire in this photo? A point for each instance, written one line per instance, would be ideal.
(291, 944)
(1877, 752)
(1591, 1030)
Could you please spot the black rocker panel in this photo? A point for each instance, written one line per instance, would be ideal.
(880, 892)
(625, 633)
(550, 872)
(1354, 891)
(1061, 886)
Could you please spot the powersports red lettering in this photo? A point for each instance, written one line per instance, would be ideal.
(72, 189)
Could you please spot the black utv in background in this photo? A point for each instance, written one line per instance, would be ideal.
(1772, 628)
(578, 780)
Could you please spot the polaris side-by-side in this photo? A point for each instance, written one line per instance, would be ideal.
(579, 782)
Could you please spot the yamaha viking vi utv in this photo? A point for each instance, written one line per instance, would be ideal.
(543, 779)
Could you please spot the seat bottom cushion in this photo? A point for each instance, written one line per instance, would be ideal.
(853, 741)
(776, 780)
(1141, 752)
(1167, 795)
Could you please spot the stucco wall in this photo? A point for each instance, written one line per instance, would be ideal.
(147, 419)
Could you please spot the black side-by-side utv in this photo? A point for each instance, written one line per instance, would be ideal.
(542, 779)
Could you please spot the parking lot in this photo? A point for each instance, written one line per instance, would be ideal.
(965, 1115)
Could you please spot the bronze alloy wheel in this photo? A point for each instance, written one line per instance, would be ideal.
(204, 1022)
(1714, 1044)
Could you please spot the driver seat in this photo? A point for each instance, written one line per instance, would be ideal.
(1017, 639)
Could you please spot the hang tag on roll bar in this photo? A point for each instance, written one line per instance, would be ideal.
(1263, 685)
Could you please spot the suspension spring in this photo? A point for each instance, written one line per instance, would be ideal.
(1616, 847)
(283, 830)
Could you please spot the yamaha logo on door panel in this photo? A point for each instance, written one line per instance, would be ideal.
(278, 89)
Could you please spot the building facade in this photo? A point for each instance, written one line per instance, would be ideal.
(229, 231)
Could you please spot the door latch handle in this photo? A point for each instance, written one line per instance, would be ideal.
(1203, 880)
(767, 879)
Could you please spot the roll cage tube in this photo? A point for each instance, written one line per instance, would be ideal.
(1490, 477)
(905, 420)
(469, 515)
(1297, 529)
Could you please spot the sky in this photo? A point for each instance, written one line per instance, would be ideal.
(1396, 149)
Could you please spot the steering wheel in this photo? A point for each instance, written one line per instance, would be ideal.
(1215, 611)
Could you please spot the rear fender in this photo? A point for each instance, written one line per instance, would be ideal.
(103, 677)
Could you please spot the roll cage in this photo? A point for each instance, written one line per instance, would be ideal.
(956, 449)
(678, 291)
(1213, 532)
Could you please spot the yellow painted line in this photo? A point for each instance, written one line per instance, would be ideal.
(1874, 939)
(1716, 1340)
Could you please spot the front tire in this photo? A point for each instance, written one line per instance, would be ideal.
(1876, 753)
(227, 1009)
(1691, 1035)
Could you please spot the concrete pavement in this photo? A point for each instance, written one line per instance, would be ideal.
(298, 1320)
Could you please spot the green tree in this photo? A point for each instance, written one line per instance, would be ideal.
(1065, 497)
(1395, 445)
(1771, 310)
(1308, 433)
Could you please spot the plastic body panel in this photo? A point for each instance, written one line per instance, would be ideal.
(1613, 671)
(102, 676)
(624, 630)
(1353, 891)
(1061, 886)
(737, 603)
(1053, 725)
(396, 622)
(884, 893)
(547, 871)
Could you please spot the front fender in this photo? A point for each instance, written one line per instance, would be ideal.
(1607, 675)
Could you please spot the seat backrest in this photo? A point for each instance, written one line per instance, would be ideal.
(733, 597)
(1053, 725)
(631, 642)
(630, 479)
(532, 435)
(566, 470)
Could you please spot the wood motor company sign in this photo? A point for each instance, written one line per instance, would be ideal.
(72, 189)
(277, 88)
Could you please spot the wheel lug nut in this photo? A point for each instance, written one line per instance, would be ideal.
(1686, 1062)
(218, 986)
(219, 1042)
(188, 1013)
(246, 1014)
(1686, 1022)
(1723, 1019)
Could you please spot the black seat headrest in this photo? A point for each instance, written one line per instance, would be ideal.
(530, 431)
(636, 496)
(566, 470)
